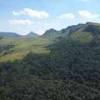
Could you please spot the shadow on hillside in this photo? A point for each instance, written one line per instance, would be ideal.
(70, 71)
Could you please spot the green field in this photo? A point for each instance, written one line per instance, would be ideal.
(22, 46)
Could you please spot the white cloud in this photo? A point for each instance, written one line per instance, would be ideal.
(68, 16)
(31, 13)
(85, 14)
(20, 22)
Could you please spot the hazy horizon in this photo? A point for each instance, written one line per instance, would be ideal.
(23, 34)
(38, 16)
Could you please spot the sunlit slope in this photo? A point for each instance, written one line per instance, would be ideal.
(20, 47)
(87, 33)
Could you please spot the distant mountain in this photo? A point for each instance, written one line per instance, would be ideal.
(81, 31)
(71, 29)
(9, 34)
(51, 33)
(67, 69)
(32, 34)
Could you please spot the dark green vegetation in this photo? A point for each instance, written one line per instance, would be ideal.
(65, 67)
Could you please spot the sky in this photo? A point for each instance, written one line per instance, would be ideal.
(24, 16)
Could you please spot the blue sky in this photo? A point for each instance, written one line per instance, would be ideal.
(23, 16)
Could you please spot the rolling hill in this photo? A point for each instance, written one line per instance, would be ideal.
(84, 33)
(8, 34)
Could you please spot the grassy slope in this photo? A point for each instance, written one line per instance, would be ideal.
(83, 37)
(39, 45)
(23, 46)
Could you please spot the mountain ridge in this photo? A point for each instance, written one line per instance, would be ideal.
(32, 34)
(9, 34)
(50, 33)
(44, 69)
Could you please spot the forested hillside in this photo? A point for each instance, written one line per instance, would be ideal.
(66, 67)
